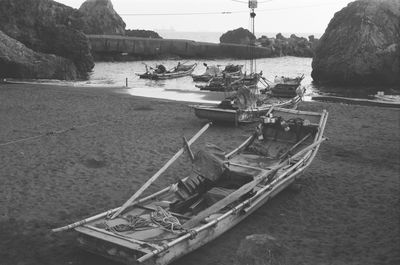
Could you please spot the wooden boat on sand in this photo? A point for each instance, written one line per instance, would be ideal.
(160, 72)
(244, 107)
(222, 190)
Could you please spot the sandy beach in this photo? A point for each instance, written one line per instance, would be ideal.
(90, 149)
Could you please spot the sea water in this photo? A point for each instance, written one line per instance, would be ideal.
(124, 74)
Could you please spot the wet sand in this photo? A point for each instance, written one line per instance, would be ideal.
(92, 148)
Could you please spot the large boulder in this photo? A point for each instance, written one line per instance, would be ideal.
(261, 249)
(237, 36)
(18, 61)
(101, 18)
(48, 27)
(361, 45)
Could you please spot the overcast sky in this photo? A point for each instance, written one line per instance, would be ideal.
(310, 16)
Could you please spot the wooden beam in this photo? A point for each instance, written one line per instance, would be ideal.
(159, 172)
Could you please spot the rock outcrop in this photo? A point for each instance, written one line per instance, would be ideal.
(361, 45)
(48, 27)
(261, 249)
(101, 18)
(279, 46)
(18, 61)
(237, 36)
(142, 33)
(292, 46)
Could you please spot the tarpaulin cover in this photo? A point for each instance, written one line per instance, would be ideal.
(213, 70)
(245, 98)
(209, 162)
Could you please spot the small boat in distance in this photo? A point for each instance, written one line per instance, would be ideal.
(223, 189)
(214, 71)
(286, 86)
(160, 72)
(226, 83)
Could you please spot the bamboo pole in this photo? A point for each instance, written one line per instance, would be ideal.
(294, 146)
(103, 214)
(159, 172)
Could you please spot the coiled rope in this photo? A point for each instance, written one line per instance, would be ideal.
(166, 220)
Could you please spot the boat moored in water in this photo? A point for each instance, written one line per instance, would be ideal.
(160, 72)
(214, 71)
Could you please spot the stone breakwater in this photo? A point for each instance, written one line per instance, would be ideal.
(106, 47)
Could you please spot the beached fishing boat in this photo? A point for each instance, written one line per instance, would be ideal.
(286, 86)
(160, 72)
(244, 106)
(214, 71)
(222, 190)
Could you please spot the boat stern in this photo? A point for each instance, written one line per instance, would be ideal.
(95, 243)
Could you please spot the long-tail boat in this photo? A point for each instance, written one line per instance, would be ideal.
(223, 189)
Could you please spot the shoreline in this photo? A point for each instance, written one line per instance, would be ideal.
(343, 213)
(213, 97)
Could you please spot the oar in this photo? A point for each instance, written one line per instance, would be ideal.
(107, 213)
(159, 172)
(294, 146)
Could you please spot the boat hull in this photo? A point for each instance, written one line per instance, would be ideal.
(171, 75)
(217, 114)
(285, 90)
(268, 176)
(126, 255)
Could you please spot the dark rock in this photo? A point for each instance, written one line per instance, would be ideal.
(18, 61)
(101, 18)
(261, 249)
(293, 46)
(237, 36)
(361, 45)
(48, 27)
(142, 33)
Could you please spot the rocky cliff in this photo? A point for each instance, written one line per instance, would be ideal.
(361, 45)
(18, 61)
(48, 27)
(101, 18)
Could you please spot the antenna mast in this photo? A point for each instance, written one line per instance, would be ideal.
(252, 6)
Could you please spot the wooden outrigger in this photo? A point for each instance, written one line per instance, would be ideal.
(222, 190)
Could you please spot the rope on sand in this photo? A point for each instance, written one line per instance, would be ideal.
(50, 133)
